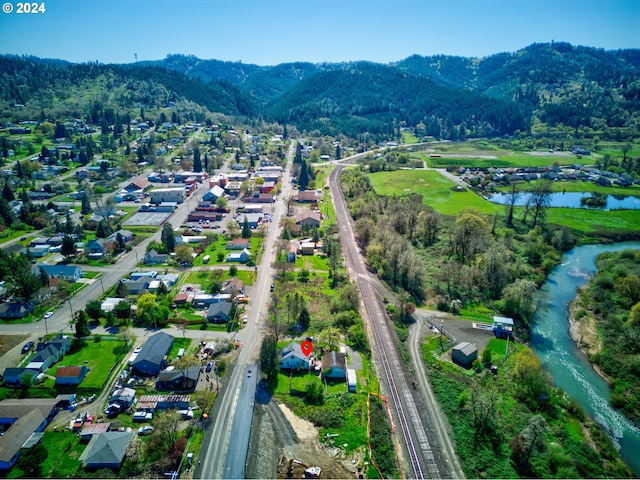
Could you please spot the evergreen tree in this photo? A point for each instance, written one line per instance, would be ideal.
(246, 230)
(19, 170)
(86, 204)
(68, 226)
(303, 181)
(338, 152)
(206, 162)
(102, 230)
(167, 237)
(44, 278)
(68, 246)
(5, 149)
(7, 193)
(60, 131)
(6, 213)
(298, 157)
(197, 162)
(82, 325)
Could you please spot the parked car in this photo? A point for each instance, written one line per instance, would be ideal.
(146, 430)
(142, 416)
(27, 347)
(273, 287)
(245, 319)
(209, 366)
(48, 315)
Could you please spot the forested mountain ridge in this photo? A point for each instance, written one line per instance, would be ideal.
(556, 83)
(58, 90)
(538, 87)
(374, 98)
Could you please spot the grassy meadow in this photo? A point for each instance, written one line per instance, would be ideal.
(436, 191)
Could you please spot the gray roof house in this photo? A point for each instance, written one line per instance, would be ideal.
(334, 365)
(14, 376)
(243, 257)
(219, 312)
(126, 397)
(292, 358)
(152, 257)
(106, 450)
(70, 273)
(174, 380)
(151, 358)
(17, 435)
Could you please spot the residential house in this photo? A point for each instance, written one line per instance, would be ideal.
(176, 380)
(219, 312)
(267, 187)
(253, 219)
(49, 353)
(169, 279)
(125, 397)
(183, 298)
(71, 375)
(232, 287)
(334, 365)
(152, 257)
(138, 184)
(138, 286)
(16, 309)
(464, 354)
(307, 196)
(23, 420)
(106, 450)
(17, 376)
(152, 357)
(243, 257)
(18, 433)
(292, 358)
(38, 251)
(70, 273)
(126, 235)
(238, 244)
(95, 247)
(213, 194)
(308, 219)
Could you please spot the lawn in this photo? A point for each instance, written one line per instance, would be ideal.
(64, 450)
(179, 343)
(100, 357)
(312, 263)
(436, 191)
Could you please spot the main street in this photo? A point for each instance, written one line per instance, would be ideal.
(221, 440)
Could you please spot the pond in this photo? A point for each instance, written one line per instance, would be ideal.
(572, 200)
(567, 365)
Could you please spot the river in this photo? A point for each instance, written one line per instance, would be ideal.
(567, 365)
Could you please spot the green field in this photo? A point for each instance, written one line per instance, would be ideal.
(436, 191)
(99, 357)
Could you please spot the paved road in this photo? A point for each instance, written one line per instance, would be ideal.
(221, 440)
(61, 319)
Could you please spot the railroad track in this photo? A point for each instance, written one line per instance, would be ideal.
(413, 433)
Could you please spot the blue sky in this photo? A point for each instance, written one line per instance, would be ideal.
(268, 32)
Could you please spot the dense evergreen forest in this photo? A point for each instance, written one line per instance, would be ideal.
(536, 89)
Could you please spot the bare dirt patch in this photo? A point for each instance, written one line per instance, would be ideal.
(283, 444)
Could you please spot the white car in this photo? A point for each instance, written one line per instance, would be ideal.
(137, 350)
(245, 319)
(146, 430)
(48, 315)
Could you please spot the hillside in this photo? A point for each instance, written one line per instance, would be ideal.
(58, 90)
(538, 87)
